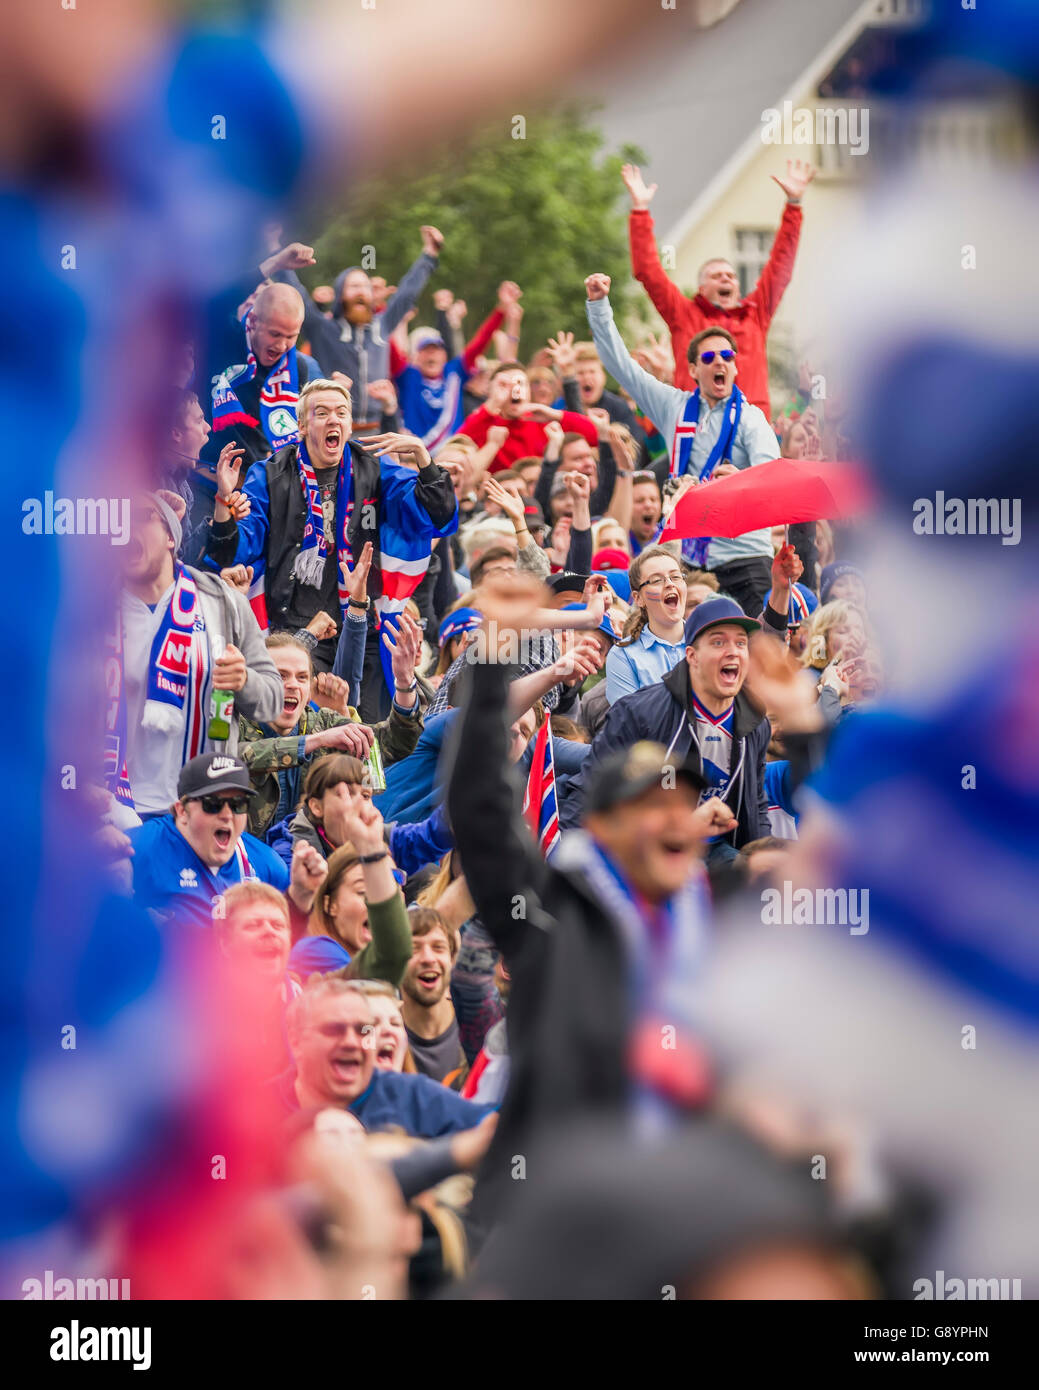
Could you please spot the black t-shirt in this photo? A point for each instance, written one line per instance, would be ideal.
(437, 1057)
(303, 607)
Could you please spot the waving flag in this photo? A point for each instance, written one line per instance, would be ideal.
(539, 801)
(405, 544)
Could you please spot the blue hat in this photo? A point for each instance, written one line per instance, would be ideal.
(461, 620)
(619, 582)
(831, 573)
(606, 626)
(714, 611)
(803, 604)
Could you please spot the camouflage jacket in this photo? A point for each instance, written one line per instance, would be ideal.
(265, 757)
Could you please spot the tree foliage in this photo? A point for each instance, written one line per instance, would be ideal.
(545, 211)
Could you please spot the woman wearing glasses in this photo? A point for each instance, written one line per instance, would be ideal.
(654, 636)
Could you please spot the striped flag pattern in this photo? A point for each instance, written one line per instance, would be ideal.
(539, 801)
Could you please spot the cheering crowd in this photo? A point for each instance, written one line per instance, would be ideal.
(420, 726)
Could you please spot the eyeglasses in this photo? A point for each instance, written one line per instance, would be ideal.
(213, 805)
(726, 354)
(658, 581)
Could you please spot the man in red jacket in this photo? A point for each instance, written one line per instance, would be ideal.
(508, 403)
(718, 299)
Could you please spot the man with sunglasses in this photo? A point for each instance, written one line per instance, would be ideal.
(185, 861)
(711, 432)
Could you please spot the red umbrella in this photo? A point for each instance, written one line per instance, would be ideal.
(779, 492)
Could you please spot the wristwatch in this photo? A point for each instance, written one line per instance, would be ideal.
(406, 689)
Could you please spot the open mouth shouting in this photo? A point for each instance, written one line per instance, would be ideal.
(719, 379)
(333, 438)
(222, 837)
(428, 980)
(673, 602)
(386, 1054)
(346, 1069)
(292, 704)
(729, 673)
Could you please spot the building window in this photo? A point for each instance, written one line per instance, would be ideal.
(752, 247)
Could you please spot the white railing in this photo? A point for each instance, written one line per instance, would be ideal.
(940, 134)
(899, 12)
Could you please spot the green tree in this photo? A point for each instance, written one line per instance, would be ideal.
(545, 211)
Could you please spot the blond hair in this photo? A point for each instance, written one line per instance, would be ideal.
(829, 615)
(311, 388)
(250, 891)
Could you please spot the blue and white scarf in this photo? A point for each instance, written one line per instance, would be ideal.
(695, 549)
(279, 399)
(178, 670)
(310, 562)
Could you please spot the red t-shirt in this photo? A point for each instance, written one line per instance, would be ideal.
(526, 437)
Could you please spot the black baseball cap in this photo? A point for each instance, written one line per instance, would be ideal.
(714, 611)
(213, 772)
(567, 583)
(626, 774)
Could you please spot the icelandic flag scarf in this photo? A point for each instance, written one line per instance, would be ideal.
(403, 540)
(178, 670)
(279, 399)
(682, 449)
(665, 962)
(310, 562)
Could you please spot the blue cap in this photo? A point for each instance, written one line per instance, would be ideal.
(714, 611)
(619, 582)
(461, 620)
(605, 626)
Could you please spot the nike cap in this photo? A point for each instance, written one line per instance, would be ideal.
(213, 772)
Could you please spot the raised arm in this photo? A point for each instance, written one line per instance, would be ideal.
(655, 398)
(413, 281)
(503, 867)
(387, 954)
(779, 268)
(667, 298)
(282, 266)
(242, 542)
(508, 295)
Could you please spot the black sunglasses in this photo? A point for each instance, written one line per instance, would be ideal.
(213, 804)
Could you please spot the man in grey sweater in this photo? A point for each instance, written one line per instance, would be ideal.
(356, 340)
